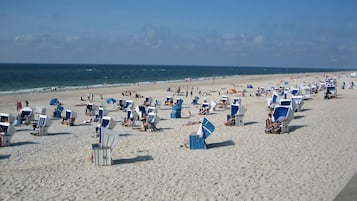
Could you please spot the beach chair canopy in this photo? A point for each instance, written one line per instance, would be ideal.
(54, 101)
(280, 113)
(234, 109)
(110, 101)
(207, 128)
(43, 121)
(108, 138)
(107, 122)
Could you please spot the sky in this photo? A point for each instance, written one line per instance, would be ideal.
(275, 33)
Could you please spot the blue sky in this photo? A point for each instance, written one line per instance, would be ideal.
(299, 33)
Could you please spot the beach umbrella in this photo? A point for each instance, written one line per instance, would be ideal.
(111, 100)
(54, 101)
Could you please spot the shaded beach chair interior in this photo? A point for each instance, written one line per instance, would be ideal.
(299, 102)
(284, 115)
(101, 112)
(176, 109)
(41, 128)
(70, 117)
(205, 109)
(129, 119)
(102, 151)
(90, 109)
(26, 115)
(198, 140)
(169, 100)
(57, 113)
(7, 130)
(147, 101)
(129, 104)
(288, 102)
(121, 104)
(294, 91)
(195, 100)
(4, 117)
(224, 101)
(332, 90)
(141, 111)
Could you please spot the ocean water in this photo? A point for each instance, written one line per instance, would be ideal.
(28, 78)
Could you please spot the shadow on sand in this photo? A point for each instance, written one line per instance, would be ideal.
(221, 144)
(133, 160)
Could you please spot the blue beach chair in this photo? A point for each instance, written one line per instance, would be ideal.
(198, 140)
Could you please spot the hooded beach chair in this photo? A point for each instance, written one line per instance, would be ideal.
(141, 111)
(153, 109)
(198, 140)
(284, 115)
(152, 120)
(4, 117)
(299, 102)
(332, 90)
(147, 101)
(129, 104)
(212, 106)
(204, 109)
(224, 102)
(101, 112)
(69, 118)
(41, 128)
(90, 109)
(288, 102)
(7, 130)
(26, 115)
(57, 113)
(236, 100)
(121, 104)
(169, 100)
(106, 122)
(39, 111)
(176, 109)
(272, 102)
(195, 100)
(102, 151)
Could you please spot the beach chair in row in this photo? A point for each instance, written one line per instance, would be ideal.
(283, 115)
(7, 130)
(195, 100)
(198, 139)
(102, 151)
(273, 101)
(57, 113)
(129, 105)
(90, 109)
(176, 109)
(106, 122)
(237, 113)
(204, 109)
(69, 118)
(5, 117)
(25, 116)
(169, 101)
(299, 102)
(151, 122)
(41, 128)
(147, 101)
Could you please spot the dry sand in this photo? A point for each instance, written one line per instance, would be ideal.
(312, 162)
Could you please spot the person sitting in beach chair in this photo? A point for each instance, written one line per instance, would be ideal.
(271, 126)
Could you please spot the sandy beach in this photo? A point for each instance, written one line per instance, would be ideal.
(313, 161)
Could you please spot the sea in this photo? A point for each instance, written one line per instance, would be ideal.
(31, 78)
